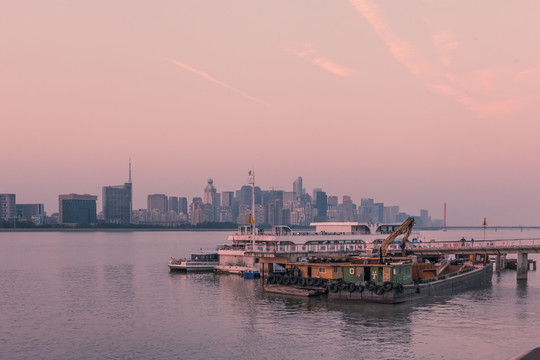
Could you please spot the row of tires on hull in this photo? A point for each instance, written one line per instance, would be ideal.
(365, 285)
(334, 286)
(296, 280)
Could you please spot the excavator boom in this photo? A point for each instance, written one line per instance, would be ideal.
(404, 228)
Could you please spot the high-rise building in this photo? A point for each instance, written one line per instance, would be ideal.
(8, 210)
(196, 211)
(227, 198)
(424, 217)
(29, 211)
(297, 187)
(315, 191)
(288, 197)
(117, 204)
(173, 204)
(211, 200)
(378, 211)
(209, 192)
(390, 214)
(183, 205)
(77, 209)
(158, 202)
(332, 201)
(321, 205)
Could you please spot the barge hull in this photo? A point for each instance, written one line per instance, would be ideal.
(477, 278)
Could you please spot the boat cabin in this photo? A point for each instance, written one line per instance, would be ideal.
(329, 271)
(379, 273)
(328, 228)
(205, 257)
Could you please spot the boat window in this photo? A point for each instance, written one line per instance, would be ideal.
(351, 271)
(322, 270)
(335, 270)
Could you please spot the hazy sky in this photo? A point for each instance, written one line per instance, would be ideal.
(412, 103)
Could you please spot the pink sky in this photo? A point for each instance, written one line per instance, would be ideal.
(411, 103)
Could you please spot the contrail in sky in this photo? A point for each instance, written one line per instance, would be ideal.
(208, 77)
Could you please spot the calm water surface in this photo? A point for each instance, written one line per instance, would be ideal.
(109, 295)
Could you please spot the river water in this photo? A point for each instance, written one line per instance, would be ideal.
(109, 295)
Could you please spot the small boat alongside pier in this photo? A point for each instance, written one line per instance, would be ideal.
(197, 262)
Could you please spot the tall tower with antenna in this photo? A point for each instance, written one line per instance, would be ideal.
(118, 202)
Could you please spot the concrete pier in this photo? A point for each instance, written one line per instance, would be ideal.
(522, 265)
(500, 264)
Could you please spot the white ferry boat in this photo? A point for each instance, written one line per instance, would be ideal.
(247, 246)
(197, 262)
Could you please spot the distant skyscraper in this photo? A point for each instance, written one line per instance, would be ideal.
(378, 211)
(183, 205)
(158, 202)
(118, 202)
(390, 214)
(77, 209)
(321, 205)
(297, 187)
(173, 204)
(196, 213)
(8, 209)
(227, 198)
(289, 197)
(332, 201)
(28, 211)
(424, 217)
(315, 191)
(209, 192)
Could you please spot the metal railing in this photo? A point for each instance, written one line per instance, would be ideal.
(502, 244)
(302, 248)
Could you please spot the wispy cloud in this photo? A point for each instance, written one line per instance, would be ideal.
(216, 81)
(483, 91)
(313, 56)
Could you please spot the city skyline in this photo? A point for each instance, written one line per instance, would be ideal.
(115, 202)
(418, 104)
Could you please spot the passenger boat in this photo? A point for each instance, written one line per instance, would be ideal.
(197, 262)
(246, 246)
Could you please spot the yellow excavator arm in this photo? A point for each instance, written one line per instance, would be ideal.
(405, 228)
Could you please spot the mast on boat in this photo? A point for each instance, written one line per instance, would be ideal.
(251, 220)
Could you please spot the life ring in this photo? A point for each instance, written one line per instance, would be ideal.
(342, 285)
(363, 283)
(387, 286)
(371, 286)
(271, 280)
(380, 290)
(294, 279)
(279, 279)
(351, 287)
(316, 282)
(399, 288)
(302, 281)
(309, 281)
(334, 287)
(324, 283)
(286, 280)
